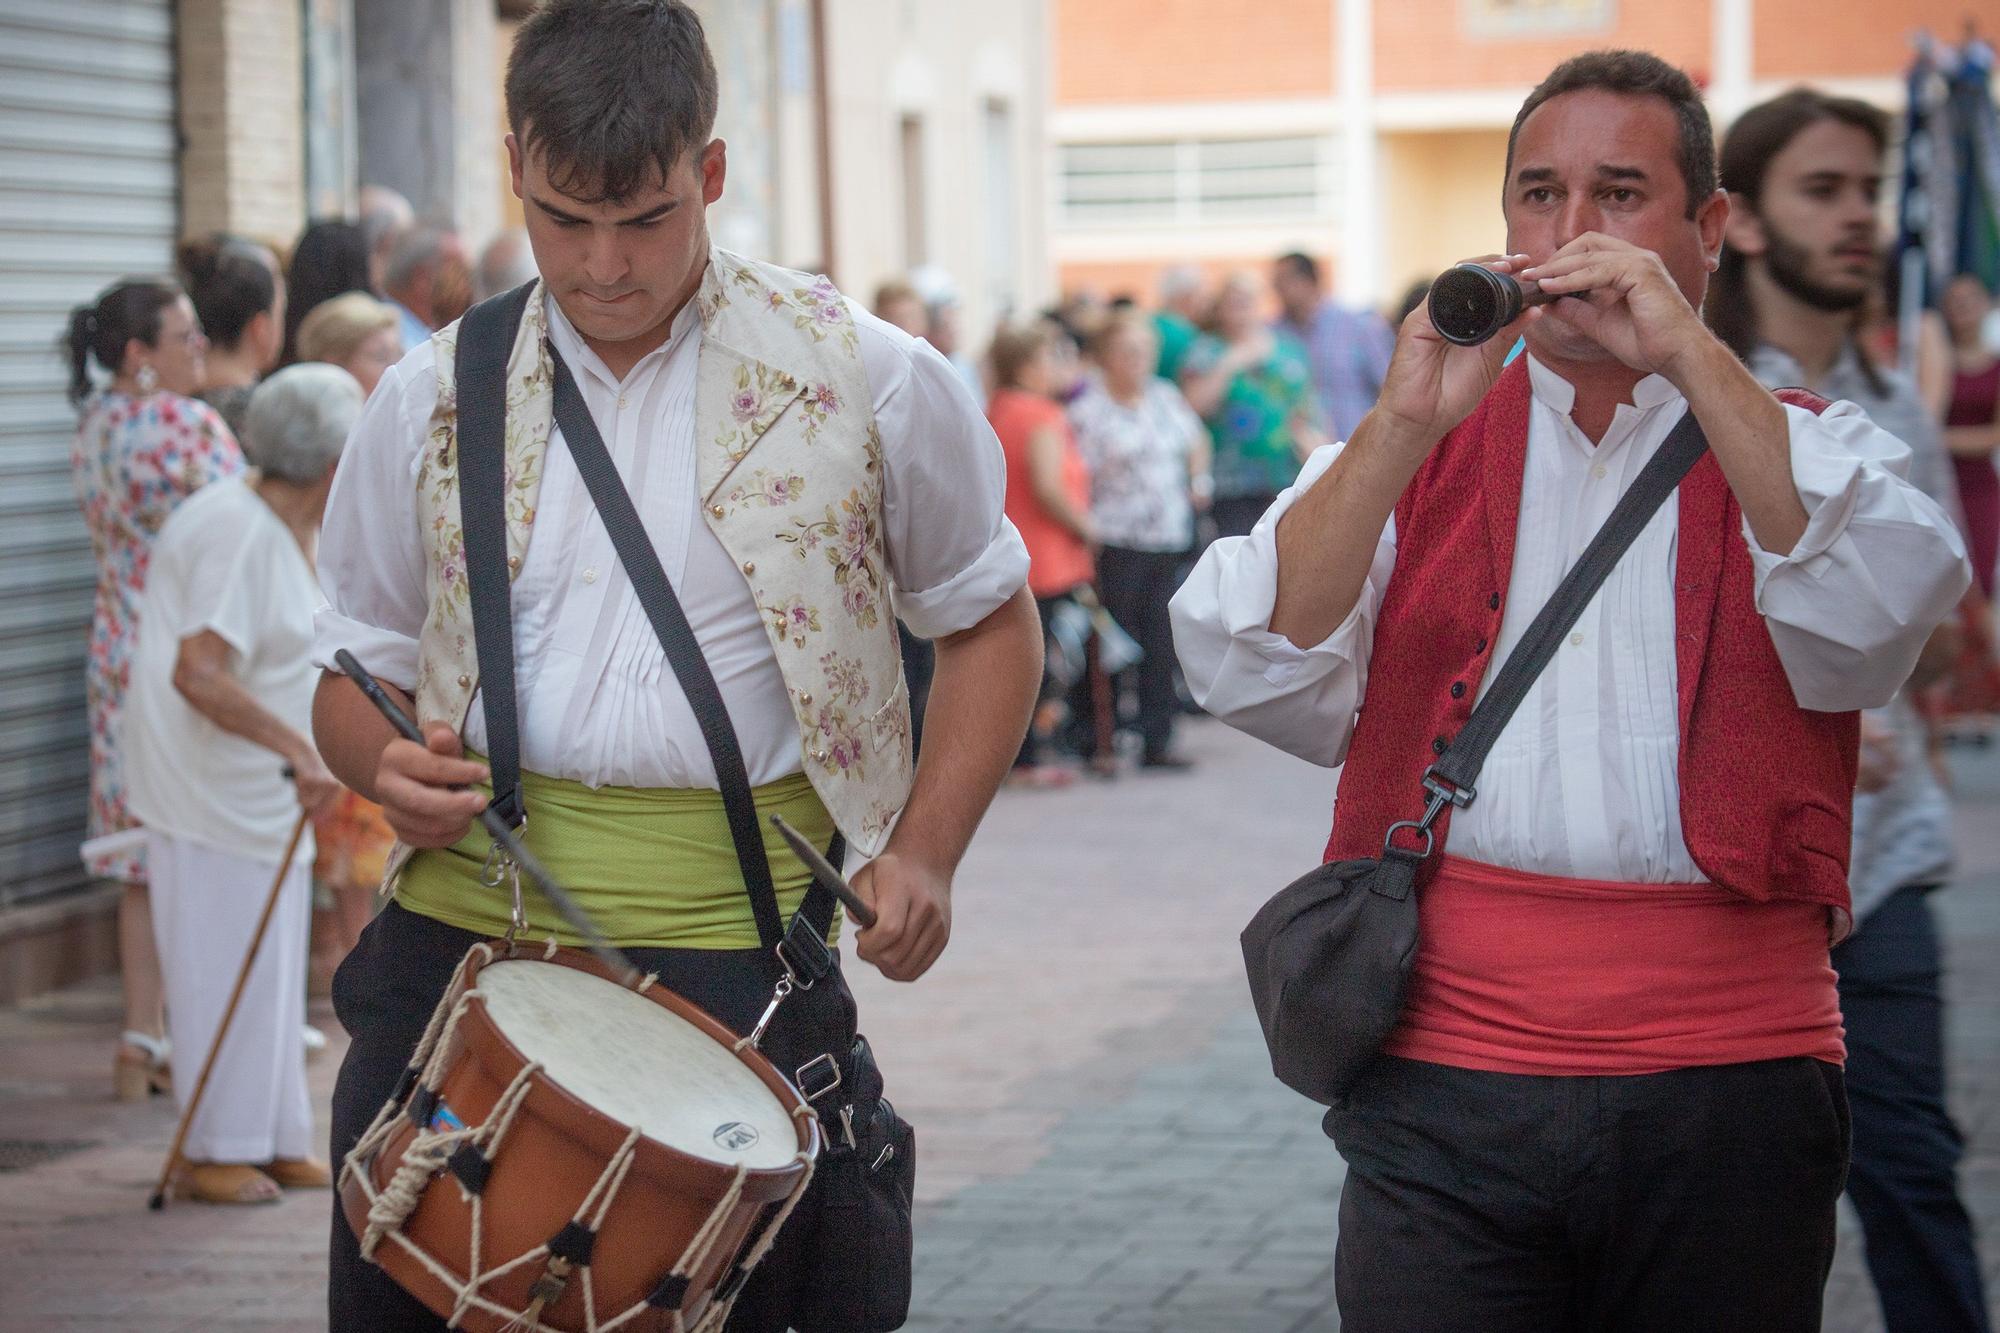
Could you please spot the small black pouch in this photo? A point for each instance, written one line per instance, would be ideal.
(1328, 960)
(862, 1244)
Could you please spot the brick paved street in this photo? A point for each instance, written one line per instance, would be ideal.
(1101, 1143)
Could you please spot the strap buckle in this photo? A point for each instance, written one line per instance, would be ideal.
(1459, 797)
(804, 953)
(823, 1067)
(1442, 794)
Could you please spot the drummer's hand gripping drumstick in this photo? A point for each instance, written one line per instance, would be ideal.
(503, 836)
(824, 874)
(159, 1198)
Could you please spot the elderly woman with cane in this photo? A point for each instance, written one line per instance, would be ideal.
(218, 716)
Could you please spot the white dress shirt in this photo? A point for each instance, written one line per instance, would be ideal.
(1583, 781)
(598, 702)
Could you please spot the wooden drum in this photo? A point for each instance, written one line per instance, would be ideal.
(569, 1153)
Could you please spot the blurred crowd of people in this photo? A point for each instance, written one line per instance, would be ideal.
(213, 405)
(1133, 437)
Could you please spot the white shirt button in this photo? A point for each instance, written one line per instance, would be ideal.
(621, 402)
(1576, 639)
(1597, 472)
(590, 576)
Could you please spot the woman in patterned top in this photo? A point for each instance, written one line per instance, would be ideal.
(1148, 460)
(143, 445)
(1253, 387)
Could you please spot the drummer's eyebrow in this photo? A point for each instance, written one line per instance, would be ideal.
(651, 215)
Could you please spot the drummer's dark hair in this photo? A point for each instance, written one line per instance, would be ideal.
(1636, 74)
(124, 311)
(1752, 144)
(611, 92)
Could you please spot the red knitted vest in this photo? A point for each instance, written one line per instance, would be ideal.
(1766, 787)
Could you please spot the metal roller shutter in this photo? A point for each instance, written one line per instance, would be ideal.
(88, 194)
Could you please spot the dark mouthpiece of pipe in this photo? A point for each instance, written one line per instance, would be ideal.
(1469, 303)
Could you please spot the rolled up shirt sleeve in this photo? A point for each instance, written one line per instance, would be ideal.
(371, 548)
(1302, 700)
(1878, 567)
(953, 556)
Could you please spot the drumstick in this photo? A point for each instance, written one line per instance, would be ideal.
(496, 828)
(824, 874)
(159, 1199)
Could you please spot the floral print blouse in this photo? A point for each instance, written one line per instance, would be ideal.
(133, 462)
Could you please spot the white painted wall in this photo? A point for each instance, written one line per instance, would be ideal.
(948, 64)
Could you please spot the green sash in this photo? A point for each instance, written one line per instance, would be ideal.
(654, 867)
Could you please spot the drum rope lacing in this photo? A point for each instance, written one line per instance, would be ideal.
(429, 1150)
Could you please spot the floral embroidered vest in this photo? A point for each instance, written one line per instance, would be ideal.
(790, 472)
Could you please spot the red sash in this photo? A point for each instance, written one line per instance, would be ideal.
(1530, 974)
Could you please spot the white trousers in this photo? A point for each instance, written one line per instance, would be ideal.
(205, 908)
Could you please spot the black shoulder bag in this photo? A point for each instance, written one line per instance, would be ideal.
(1328, 957)
(867, 1170)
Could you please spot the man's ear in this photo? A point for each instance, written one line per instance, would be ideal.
(514, 164)
(1741, 229)
(714, 170)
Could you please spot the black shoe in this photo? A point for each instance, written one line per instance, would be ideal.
(1168, 761)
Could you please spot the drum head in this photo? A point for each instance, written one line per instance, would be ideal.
(639, 1063)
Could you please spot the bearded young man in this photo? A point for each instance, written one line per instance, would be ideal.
(1804, 175)
(1613, 1100)
(806, 475)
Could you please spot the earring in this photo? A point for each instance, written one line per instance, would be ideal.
(148, 378)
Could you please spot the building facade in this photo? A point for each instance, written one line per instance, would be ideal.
(1373, 135)
(866, 137)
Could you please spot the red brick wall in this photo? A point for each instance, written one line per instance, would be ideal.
(1190, 50)
(1818, 39)
(1423, 45)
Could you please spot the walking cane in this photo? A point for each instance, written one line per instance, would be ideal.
(159, 1199)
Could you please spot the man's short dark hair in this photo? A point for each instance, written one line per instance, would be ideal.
(612, 93)
(1302, 264)
(1637, 74)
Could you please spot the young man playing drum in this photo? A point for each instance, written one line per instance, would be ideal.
(796, 464)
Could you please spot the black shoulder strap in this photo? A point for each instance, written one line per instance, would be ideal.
(485, 340)
(1450, 779)
(656, 597)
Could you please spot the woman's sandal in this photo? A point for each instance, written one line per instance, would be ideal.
(141, 1068)
(299, 1173)
(225, 1182)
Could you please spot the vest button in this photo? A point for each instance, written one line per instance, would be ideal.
(1493, 602)
(1480, 647)
(465, 682)
(819, 756)
(1458, 689)
(749, 567)
(716, 511)
(514, 562)
(1437, 744)
(805, 699)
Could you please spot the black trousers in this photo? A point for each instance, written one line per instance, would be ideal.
(1904, 1179)
(1235, 515)
(384, 994)
(1507, 1203)
(1135, 587)
(1033, 746)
